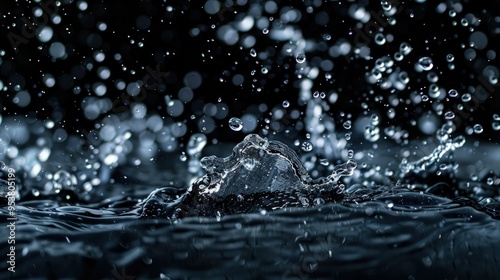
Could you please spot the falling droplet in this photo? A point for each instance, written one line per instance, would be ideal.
(350, 154)
(466, 97)
(235, 124)
(347, 124)
(386, 5)
(307, 146)
(495, 126)
(253, 53)
(379, 39)
(449, 115)
(453, 93)
(425, 63)
(301, 57)
(478, 129)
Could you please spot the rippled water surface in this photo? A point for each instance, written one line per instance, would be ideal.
(249, 140)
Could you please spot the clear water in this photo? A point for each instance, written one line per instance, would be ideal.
(250, 140)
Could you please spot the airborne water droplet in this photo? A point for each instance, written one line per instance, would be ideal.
(386, 5)
(379, 39)
(425, 63)
(466, 97)
(235, 124)
(347, 125)
(301, 57)
(453, 93)
(307, 146)
(478, 129)
(449, 115)
(253, 53)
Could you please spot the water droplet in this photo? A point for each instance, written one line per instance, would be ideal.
(389, 203)
(235, 124)
(264, 70)
(478, 129)
(183, 157)
(450, 57)
(425, 63)
(496, 117)
(405, 48)
(386, 5)
(35, 192)
(307, 146)
(350, 154)
(347, 124)
(453, 93)
(449, 115)
(380, 39)
(285, 104)
(265, 30)
(398, 56)
(374, 120)
(466, 97)
(495, 126)
(324, 162)
(253, 53)
(300, 58)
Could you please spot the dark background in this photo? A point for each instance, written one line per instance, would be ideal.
(169, 32)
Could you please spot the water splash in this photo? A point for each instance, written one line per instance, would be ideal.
(259, 175)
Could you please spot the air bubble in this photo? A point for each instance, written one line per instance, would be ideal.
(285, 104)
(450, 57)
(425, 63)
(249, 164)
(318, 201)
(235, 124)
